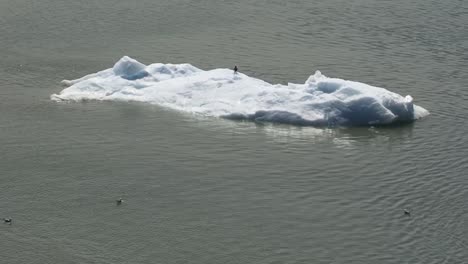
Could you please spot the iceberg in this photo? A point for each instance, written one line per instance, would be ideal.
(320, 101)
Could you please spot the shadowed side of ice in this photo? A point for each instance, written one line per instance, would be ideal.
(320, 101)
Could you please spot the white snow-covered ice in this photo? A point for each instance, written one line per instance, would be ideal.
(320, 101)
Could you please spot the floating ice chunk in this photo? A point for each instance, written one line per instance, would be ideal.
(319, 101)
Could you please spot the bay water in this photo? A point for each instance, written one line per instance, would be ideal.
(207, 190)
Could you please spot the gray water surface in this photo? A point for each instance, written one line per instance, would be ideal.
(207, 190)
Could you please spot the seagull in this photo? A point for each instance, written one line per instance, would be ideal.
(407, 212)
(7, 220)
(119, 201)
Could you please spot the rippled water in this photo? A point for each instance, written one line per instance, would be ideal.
(205, 190)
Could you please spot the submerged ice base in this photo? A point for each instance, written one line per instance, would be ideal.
(320, 101)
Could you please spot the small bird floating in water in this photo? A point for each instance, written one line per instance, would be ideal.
(7, 220)
(119, 201)
(407, 212)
